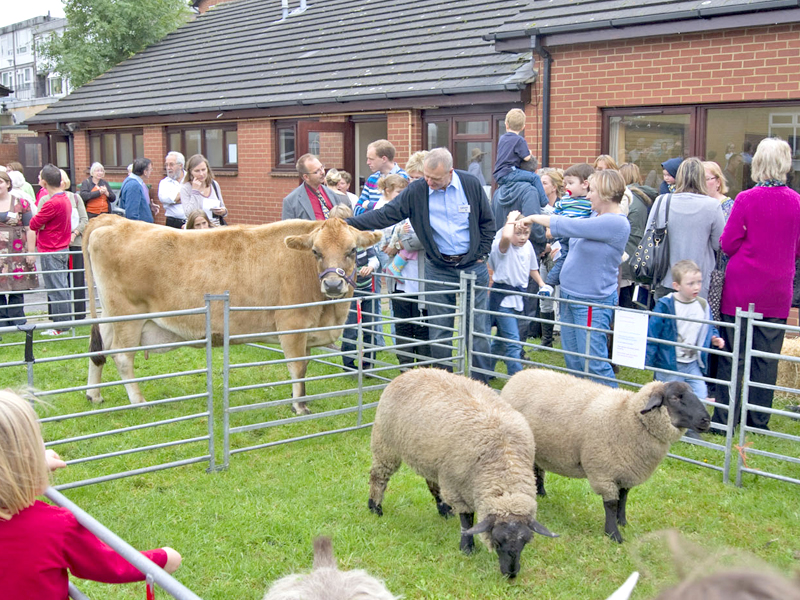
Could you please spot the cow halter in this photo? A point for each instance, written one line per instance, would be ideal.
(340, 272)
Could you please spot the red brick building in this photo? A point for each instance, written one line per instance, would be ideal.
(252, 88)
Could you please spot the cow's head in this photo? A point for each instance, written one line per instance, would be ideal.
(334, 245)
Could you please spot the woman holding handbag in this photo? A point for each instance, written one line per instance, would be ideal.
(17, 273)
(762, 239)
(694, 225)
(200, 191)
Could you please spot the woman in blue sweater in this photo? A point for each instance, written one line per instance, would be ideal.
(590, 271)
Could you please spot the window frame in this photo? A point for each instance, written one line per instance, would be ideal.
(226, 128)
(101, 133)
(285, 125)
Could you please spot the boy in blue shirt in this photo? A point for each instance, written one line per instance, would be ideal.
(512, 152)
(685, 303)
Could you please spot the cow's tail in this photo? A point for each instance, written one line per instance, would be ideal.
(96, 340)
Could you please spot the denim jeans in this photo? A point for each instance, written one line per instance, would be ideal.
(574, 340)
(443, 316)
(56, 284)
(529, 176)
(507, 328)
(691, 368)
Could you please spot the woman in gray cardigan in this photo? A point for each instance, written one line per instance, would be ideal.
(694, 226)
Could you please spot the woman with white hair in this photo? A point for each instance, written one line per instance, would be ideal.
(762, 239)
(95, 192)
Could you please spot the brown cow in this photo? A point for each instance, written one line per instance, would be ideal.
(142, 268)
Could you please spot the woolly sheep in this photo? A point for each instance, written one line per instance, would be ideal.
(326, 582)
(613, 437)
(474, 451)
(789, 372)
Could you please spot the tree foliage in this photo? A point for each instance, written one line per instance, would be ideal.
(102, 33)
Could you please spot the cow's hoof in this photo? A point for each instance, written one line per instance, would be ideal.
(94, 400)
(300, 409)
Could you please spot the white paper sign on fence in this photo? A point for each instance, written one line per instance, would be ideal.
(630, 339)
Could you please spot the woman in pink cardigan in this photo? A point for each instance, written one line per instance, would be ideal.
(762, 239)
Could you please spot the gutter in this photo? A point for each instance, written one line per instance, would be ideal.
(548, 61)
(702, 13)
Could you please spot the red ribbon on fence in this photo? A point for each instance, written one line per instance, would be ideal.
(743, 452)
(150, 594)
(589, 318)
(358, 311)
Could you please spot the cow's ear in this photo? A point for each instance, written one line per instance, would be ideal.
(365, 239)
(300, 242)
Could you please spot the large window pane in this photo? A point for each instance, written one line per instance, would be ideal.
(475, 157)
(649, 140)
(95, 152)
(214, 139)
(110, 149)
(472, 127)
(62, 154)
(286, 147)
(232, 147)
(175, 142)
(33, 154)
(138, 146)
(193, 146)
(314, 143)
(732, 135)
(126, 148)
(438, 134)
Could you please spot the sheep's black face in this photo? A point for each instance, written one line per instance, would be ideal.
(684, 407)
(509, 539)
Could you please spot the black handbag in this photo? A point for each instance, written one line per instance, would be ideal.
(650, 263)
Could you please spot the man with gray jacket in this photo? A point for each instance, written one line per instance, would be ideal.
(311, 200)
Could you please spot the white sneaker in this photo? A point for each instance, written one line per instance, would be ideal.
(53, 332)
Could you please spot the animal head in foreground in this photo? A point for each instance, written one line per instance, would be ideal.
(684, 408)
(326, 582)
(509, 537)
(334, 245)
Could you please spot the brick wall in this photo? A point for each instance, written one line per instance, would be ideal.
(728, 66)
(405, 133)
(8, 153)
(204, 5)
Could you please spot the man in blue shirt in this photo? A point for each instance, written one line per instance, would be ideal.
(453, 220)
(134, 196)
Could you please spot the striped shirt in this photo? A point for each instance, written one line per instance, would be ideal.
(370, 194)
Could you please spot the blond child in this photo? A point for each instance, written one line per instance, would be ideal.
(42, 543)
(514, 160)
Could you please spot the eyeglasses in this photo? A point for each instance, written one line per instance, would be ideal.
(320, 170)
(712, 178)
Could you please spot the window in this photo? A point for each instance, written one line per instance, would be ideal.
(55, 86)
(287, 155)
(116, 148)
(727, 134)
(220, 145)
(471, 138)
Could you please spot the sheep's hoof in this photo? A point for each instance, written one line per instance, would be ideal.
(467, 544)
(376, 508)
(444, 509)
(622, 521)
(615, 535)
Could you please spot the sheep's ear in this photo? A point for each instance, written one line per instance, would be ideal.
(323, 553)
(481, 527)
(537, 527)
(656, 400)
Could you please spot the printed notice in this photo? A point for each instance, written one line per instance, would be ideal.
(630, 339)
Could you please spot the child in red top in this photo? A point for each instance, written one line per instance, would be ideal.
(42, 543)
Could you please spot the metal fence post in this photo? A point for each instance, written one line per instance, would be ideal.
(226, 363)
(210, 385)
(360, 358)
(732, 384)
(466, 322)
(751, 314)
(588, 349)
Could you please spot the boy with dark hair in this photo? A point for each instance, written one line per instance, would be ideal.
(514, 160)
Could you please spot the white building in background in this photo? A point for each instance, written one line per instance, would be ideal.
(25, 72)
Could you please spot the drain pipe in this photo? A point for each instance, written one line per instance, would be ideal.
(547, 63)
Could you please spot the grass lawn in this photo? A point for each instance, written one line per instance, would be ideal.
(241, 528)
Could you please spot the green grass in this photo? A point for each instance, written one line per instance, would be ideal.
(241, 528)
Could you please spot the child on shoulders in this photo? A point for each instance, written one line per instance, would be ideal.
(513, 153)
(43, 543)
(512, 261)
(574, 205)
(685, 303)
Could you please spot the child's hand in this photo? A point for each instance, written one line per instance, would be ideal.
(718, 342)
(512, 216)
(53, 460)
(365, 271)
(173, 559)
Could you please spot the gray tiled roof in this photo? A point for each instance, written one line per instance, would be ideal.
(239, 56)
(556, 16)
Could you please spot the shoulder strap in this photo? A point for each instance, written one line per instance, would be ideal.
(666, 215)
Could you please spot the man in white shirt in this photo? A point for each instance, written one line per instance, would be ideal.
(169, 190)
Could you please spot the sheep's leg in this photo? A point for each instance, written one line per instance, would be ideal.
(611, 507)
(444, 509)
(383, 467)
(467, 541)
(539, 473)
(623, 501)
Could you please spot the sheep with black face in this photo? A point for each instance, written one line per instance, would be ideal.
(614, 438)
(474, 451)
